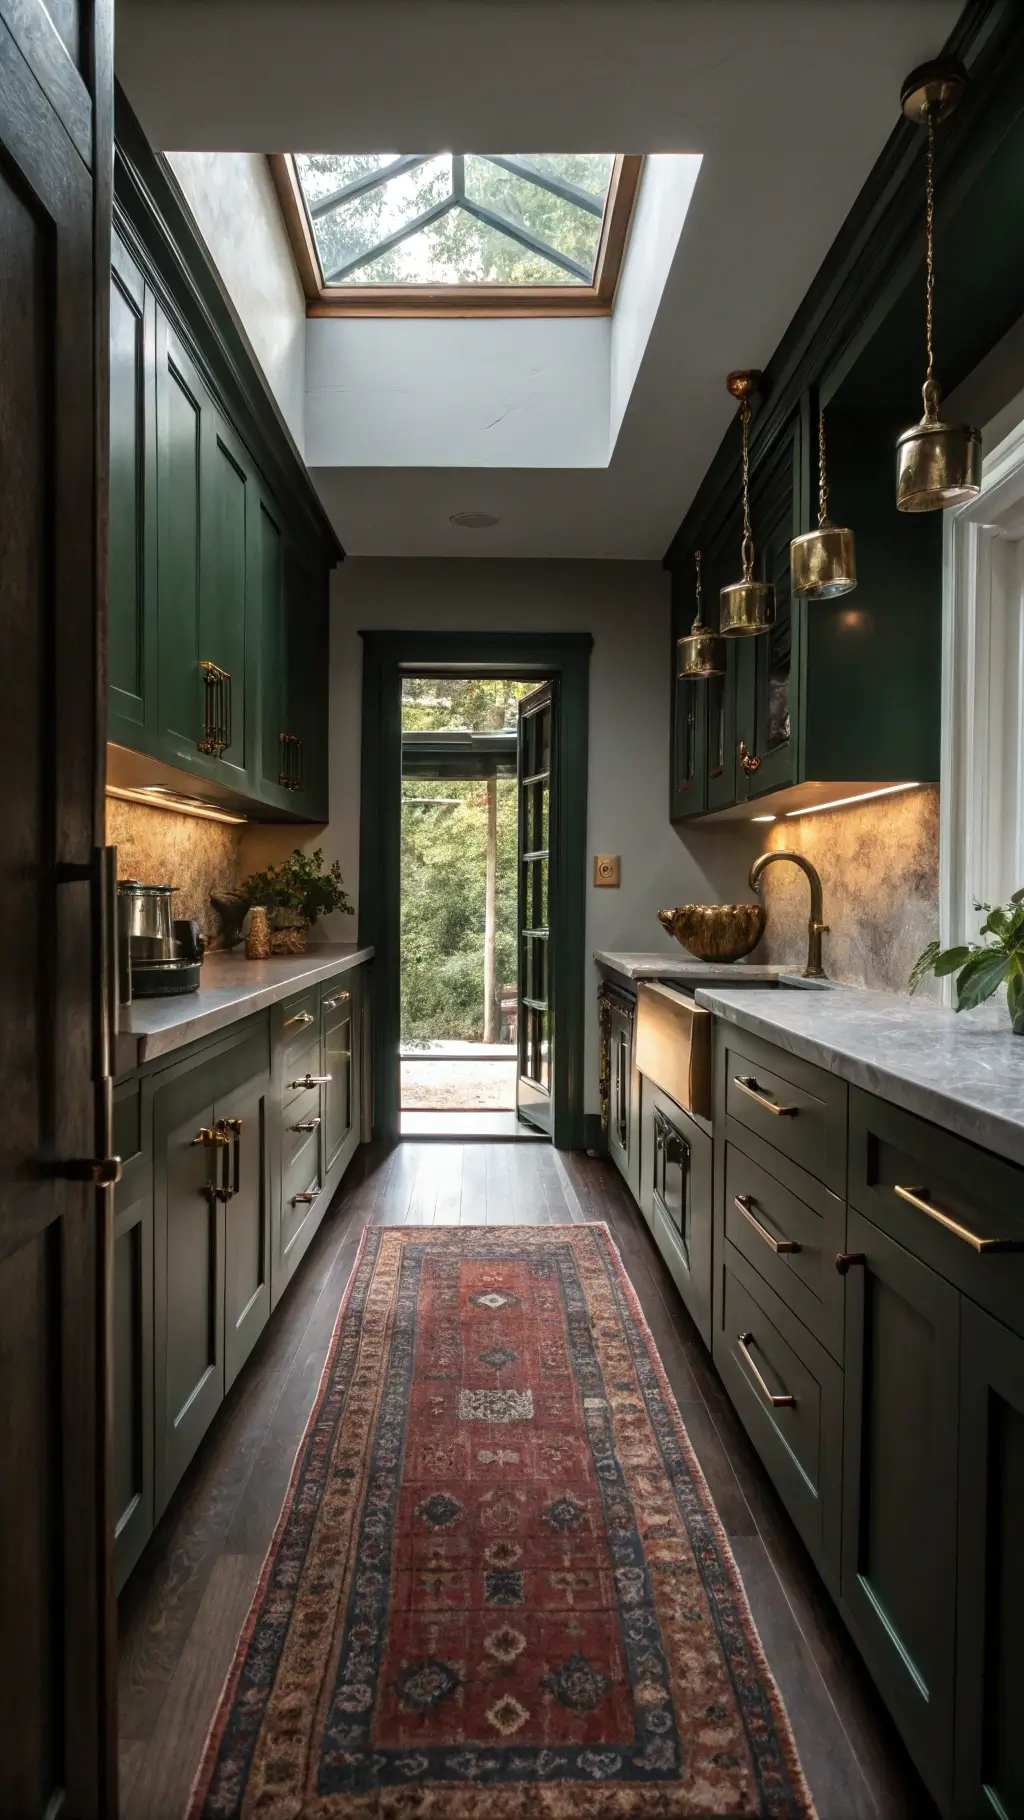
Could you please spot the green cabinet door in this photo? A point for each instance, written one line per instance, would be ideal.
(990, 1571)
(189, 1235)
(900, 1419)
(340, 1036)
(227, 622)
(132, 1389)
(307, 644)
(131, 646)
(244, 1114)
(183, 408)
(269, 563)
(767, 671)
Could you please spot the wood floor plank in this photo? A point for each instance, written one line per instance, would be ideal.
(474, 1186)
(500, 1204)
(448, 1207)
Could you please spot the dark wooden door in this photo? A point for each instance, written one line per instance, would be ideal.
(536, 769)
(243, 1116)
(900, 1422)
(990, 1570)
(133, 1365)
(56, 1535)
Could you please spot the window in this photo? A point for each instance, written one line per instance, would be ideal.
(517, 233)
(982, 789)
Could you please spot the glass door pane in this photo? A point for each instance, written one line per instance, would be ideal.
(535, 743)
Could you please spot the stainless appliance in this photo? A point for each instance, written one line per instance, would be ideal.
(163, 956)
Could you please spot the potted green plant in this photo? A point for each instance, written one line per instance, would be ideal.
(982, 967)
(296, 893)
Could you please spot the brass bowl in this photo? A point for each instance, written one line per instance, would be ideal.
(716, 932)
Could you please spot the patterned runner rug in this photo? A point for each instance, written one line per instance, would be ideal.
(499, 1589)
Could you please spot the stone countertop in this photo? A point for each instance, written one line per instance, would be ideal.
(962, 1070)
(232, 988)
(684, 967)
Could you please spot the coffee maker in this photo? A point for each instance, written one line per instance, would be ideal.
(159, 956)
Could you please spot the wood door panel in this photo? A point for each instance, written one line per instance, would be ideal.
(180, 404)
(222, 618)
(133, 1386)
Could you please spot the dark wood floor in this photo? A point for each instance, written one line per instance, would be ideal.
(187, 1600)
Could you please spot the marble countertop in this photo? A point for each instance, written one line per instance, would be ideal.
(962, 1070)
(683, 966)
(232, 988)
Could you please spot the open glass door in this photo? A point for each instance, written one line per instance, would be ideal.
(537, 731)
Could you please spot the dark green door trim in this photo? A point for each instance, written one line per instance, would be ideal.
(386, 656)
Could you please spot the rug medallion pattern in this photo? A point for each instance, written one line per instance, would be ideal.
(499, 1589)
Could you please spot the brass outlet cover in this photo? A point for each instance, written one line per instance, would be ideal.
(607, 869)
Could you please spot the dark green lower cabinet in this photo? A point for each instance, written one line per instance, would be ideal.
(132, 1441)
(247, 1224)
(675, 1161)
(901, 1419)
(990, 1572)
(339, 1026)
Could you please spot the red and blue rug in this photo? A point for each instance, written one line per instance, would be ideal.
(499, 1589)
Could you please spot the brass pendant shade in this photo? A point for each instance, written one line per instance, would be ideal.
(747, 606)
(702, 652)
(937, 464)
(822, 563)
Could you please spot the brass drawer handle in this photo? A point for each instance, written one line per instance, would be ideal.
(783, 1402)
(307, 1125)
(917, 1197)
(311, 1194)
(845, 1260)
(211, 1138)
(331, 1004)
(301, 1017)
(783, 1246)
(311, 1080)
(747, 1083)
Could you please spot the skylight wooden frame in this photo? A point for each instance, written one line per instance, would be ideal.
(495, 300)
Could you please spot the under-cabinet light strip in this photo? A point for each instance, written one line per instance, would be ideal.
(180, 805)
(840, 802)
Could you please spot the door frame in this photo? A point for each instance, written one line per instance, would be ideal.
(388, 656)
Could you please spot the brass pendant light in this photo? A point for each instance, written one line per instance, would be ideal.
(702, 652)
(937, 464)
(822, 562)
(747, 606)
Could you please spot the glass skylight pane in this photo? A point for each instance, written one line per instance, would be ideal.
(547, 217)
(357, 226)
(588, 170)
(458, 249)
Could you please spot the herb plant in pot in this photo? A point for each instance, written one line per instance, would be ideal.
(982, 967)
(296, 893)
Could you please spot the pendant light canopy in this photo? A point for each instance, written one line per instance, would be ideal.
(702, 652)
(937, 464)
(747, 606)
(822, 562)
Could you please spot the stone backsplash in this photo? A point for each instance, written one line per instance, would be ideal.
(879, 866)
(162, 847)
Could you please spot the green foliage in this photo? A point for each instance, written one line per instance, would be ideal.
(444, 847)
(299, 883)
(982, 967)
(474, 704)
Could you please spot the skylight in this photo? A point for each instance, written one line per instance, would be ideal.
(388, 228)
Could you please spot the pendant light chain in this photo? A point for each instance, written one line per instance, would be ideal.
(822, 481)
(699, 620)
(929, 228)
(748, 539)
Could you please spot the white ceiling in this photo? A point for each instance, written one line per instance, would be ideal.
(789, 101)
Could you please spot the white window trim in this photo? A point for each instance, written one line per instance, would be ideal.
(982, 755)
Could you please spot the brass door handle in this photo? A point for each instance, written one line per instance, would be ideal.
(782, 1246)
(211, 1138)
(301, 1017)
(291, 772)
(234, 1128)
(785, 1401)
(310, 1195)
(749, 760)
(917, 1197)
(331, 1004)
(307, 1125)
(845, 1260)
(311, 1080)
(99, 1171)
(216, 710)
(747, 1083)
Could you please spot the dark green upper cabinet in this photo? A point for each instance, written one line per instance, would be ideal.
(219, 550)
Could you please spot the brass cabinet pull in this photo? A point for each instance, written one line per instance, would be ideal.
(845, 1260)
(301, 1017)
(782, 1246)
(918, 1197)
(216, 710)
(307, 1125)
(290, 776)
(310, 1195)
(342, 998)
(785, 1401)
(234, 1127)
(747, 1084)
(749, 760)
(211, 1138)
(311, 1080)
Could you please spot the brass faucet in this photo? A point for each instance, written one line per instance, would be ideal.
(815, 927)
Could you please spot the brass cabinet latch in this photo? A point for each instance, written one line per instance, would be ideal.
(749, 760)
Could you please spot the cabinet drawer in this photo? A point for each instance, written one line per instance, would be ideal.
(301, 1074)
(300, 1125)
(791, 1240)
(797, 1109)
(300, 1020)
(301, 1174)
(943, 1199)
(762, 1351)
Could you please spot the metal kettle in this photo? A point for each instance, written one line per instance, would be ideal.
(157, 955)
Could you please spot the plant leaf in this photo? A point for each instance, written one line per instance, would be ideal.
(980, 978)
(1017, 897)
(1015, 994)
(950, 960)
(996, 923)
(923, 964)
